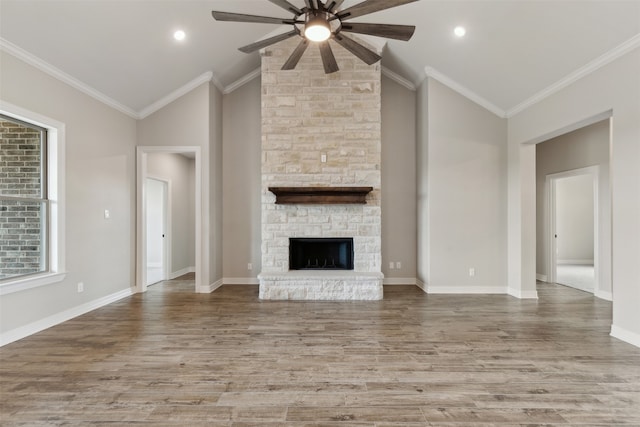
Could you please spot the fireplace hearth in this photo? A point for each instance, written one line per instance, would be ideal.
(321, 253)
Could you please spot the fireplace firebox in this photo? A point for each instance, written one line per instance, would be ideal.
(321, 253)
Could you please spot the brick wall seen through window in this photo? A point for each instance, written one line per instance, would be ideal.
(23, 204)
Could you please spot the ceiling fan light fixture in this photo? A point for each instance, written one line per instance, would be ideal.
(321, 20)
(317, 29)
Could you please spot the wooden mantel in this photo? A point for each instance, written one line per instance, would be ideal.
(320, 195)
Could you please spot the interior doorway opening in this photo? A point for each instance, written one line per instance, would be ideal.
(154, 231)
(573, 213)
(573, 207)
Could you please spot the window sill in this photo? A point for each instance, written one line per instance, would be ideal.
(23, 284)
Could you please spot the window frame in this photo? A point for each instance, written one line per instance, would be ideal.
(52, 195)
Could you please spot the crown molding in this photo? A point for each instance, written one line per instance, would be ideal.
(399, 79)
(217, 83)
(49, 69)
(258, 71)
(376, 43)
(601, 61)
(464, 91)
(608, 57)
(242, 81)
(204, 78)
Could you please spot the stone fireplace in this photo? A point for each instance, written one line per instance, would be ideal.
(320, 131)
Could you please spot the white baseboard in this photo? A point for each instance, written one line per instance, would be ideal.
(626, 336)
(605, 295)
(207, 289)
(391, 281)
(46, 323)
(181, 272)
(466, 290)
(240, 281)
(517, 293)
(575, 261)
(541, 277)
(421, 285)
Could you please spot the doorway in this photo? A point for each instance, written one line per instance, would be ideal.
(199, 211)
(573, 163)
(573, 228)
(156, 212)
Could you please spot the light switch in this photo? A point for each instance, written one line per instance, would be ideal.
(323, 158)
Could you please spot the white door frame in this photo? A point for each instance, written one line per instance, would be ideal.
(550, 218)
(166, 224)
(142, 153)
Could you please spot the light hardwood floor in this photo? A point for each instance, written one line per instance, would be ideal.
(172, 357)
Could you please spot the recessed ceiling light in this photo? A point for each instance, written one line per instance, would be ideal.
(460, 31)
(179, 35)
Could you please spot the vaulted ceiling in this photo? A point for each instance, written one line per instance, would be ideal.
(513, 51)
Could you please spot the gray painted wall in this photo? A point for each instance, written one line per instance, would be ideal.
(100, 174)
(241, 234)
(466, 184)
(179, 171)
(399, 208)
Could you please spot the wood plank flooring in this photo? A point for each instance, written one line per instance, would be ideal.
(171, 357)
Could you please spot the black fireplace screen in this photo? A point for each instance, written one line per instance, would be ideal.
(321, 253)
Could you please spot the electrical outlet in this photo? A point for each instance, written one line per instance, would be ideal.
(323, 158)
(80, 287)
(472, 272)
(398, 265)
(391, 265)
(249, 266)
(107, 214)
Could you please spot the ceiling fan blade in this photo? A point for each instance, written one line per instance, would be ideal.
(267, 42)
(240, 17)
(333, 5)
(365, 54)
(287, 6)
(328, 60)
(390, 31)
(370, 6)
(309, 4)
(296, 55)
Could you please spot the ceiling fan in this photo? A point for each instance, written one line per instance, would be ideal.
(318, 21)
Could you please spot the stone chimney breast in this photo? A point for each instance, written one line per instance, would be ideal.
(320, 130)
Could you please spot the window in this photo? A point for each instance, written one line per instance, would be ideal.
(30, 203)
(23, 199)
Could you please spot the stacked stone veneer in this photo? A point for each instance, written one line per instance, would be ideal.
(307, 113)
(20, 221)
